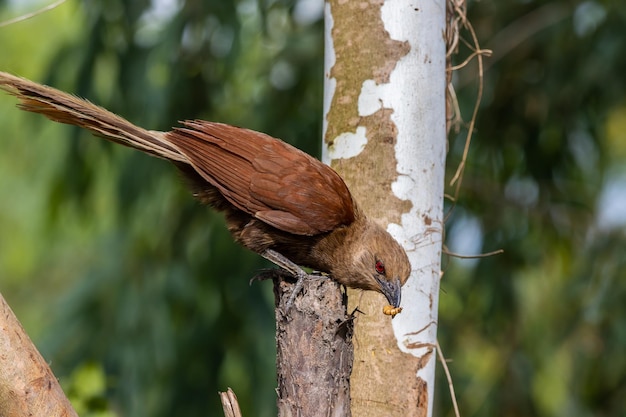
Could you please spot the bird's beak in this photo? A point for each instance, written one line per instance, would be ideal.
(391, 290)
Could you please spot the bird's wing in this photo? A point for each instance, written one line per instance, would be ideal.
(267, 178)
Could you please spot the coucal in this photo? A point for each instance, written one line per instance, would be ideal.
(278, 201)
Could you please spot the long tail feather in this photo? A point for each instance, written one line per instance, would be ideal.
(66, 108)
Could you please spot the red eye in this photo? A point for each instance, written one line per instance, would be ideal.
(380, 267)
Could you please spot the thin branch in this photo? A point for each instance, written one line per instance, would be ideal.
(449, 378)
(458, 176)
(481, 255)
(455, 119)
(483, 52)
(230, 403)
(33, 14)
(525, 27)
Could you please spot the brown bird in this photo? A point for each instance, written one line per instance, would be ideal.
(278, 201)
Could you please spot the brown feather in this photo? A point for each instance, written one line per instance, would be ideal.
(276, 198)
(66, 108)
(256, 172)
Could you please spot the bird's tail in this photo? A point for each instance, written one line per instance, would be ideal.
(66, 108)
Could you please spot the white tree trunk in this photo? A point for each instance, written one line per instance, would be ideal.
(400, 100)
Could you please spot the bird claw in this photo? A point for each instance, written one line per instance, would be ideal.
(285, 275)
(296, 290)
(289, 268)
(271, 273)
(300, 283)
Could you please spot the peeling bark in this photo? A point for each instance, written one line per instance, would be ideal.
(384, 132)
(314, 350)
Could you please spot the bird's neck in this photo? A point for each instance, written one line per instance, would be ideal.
(335, 251)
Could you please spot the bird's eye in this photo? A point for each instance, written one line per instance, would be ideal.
(380, 267)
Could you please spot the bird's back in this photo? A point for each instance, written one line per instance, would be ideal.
(266, 177)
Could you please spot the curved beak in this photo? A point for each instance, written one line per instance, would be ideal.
(391, 290)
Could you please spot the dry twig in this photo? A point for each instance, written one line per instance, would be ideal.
(32, 14)
(449, 378)
(230, 403)
(480, 255)
(459, 19)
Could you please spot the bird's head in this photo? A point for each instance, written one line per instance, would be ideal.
(377, 262)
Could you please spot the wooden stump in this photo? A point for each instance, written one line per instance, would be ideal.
(314, 349)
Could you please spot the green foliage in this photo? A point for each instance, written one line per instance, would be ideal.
(138, 296)
(130, 275)
(86, 390)
(538, 329)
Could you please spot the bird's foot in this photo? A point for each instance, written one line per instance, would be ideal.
(301, 276)
(271, 274)
(290, 268)
(296, 290)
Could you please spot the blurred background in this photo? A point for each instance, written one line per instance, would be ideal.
(139, 299)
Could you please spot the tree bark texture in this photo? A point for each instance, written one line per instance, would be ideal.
(314, 350)
(27, 385)
(384, 132)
